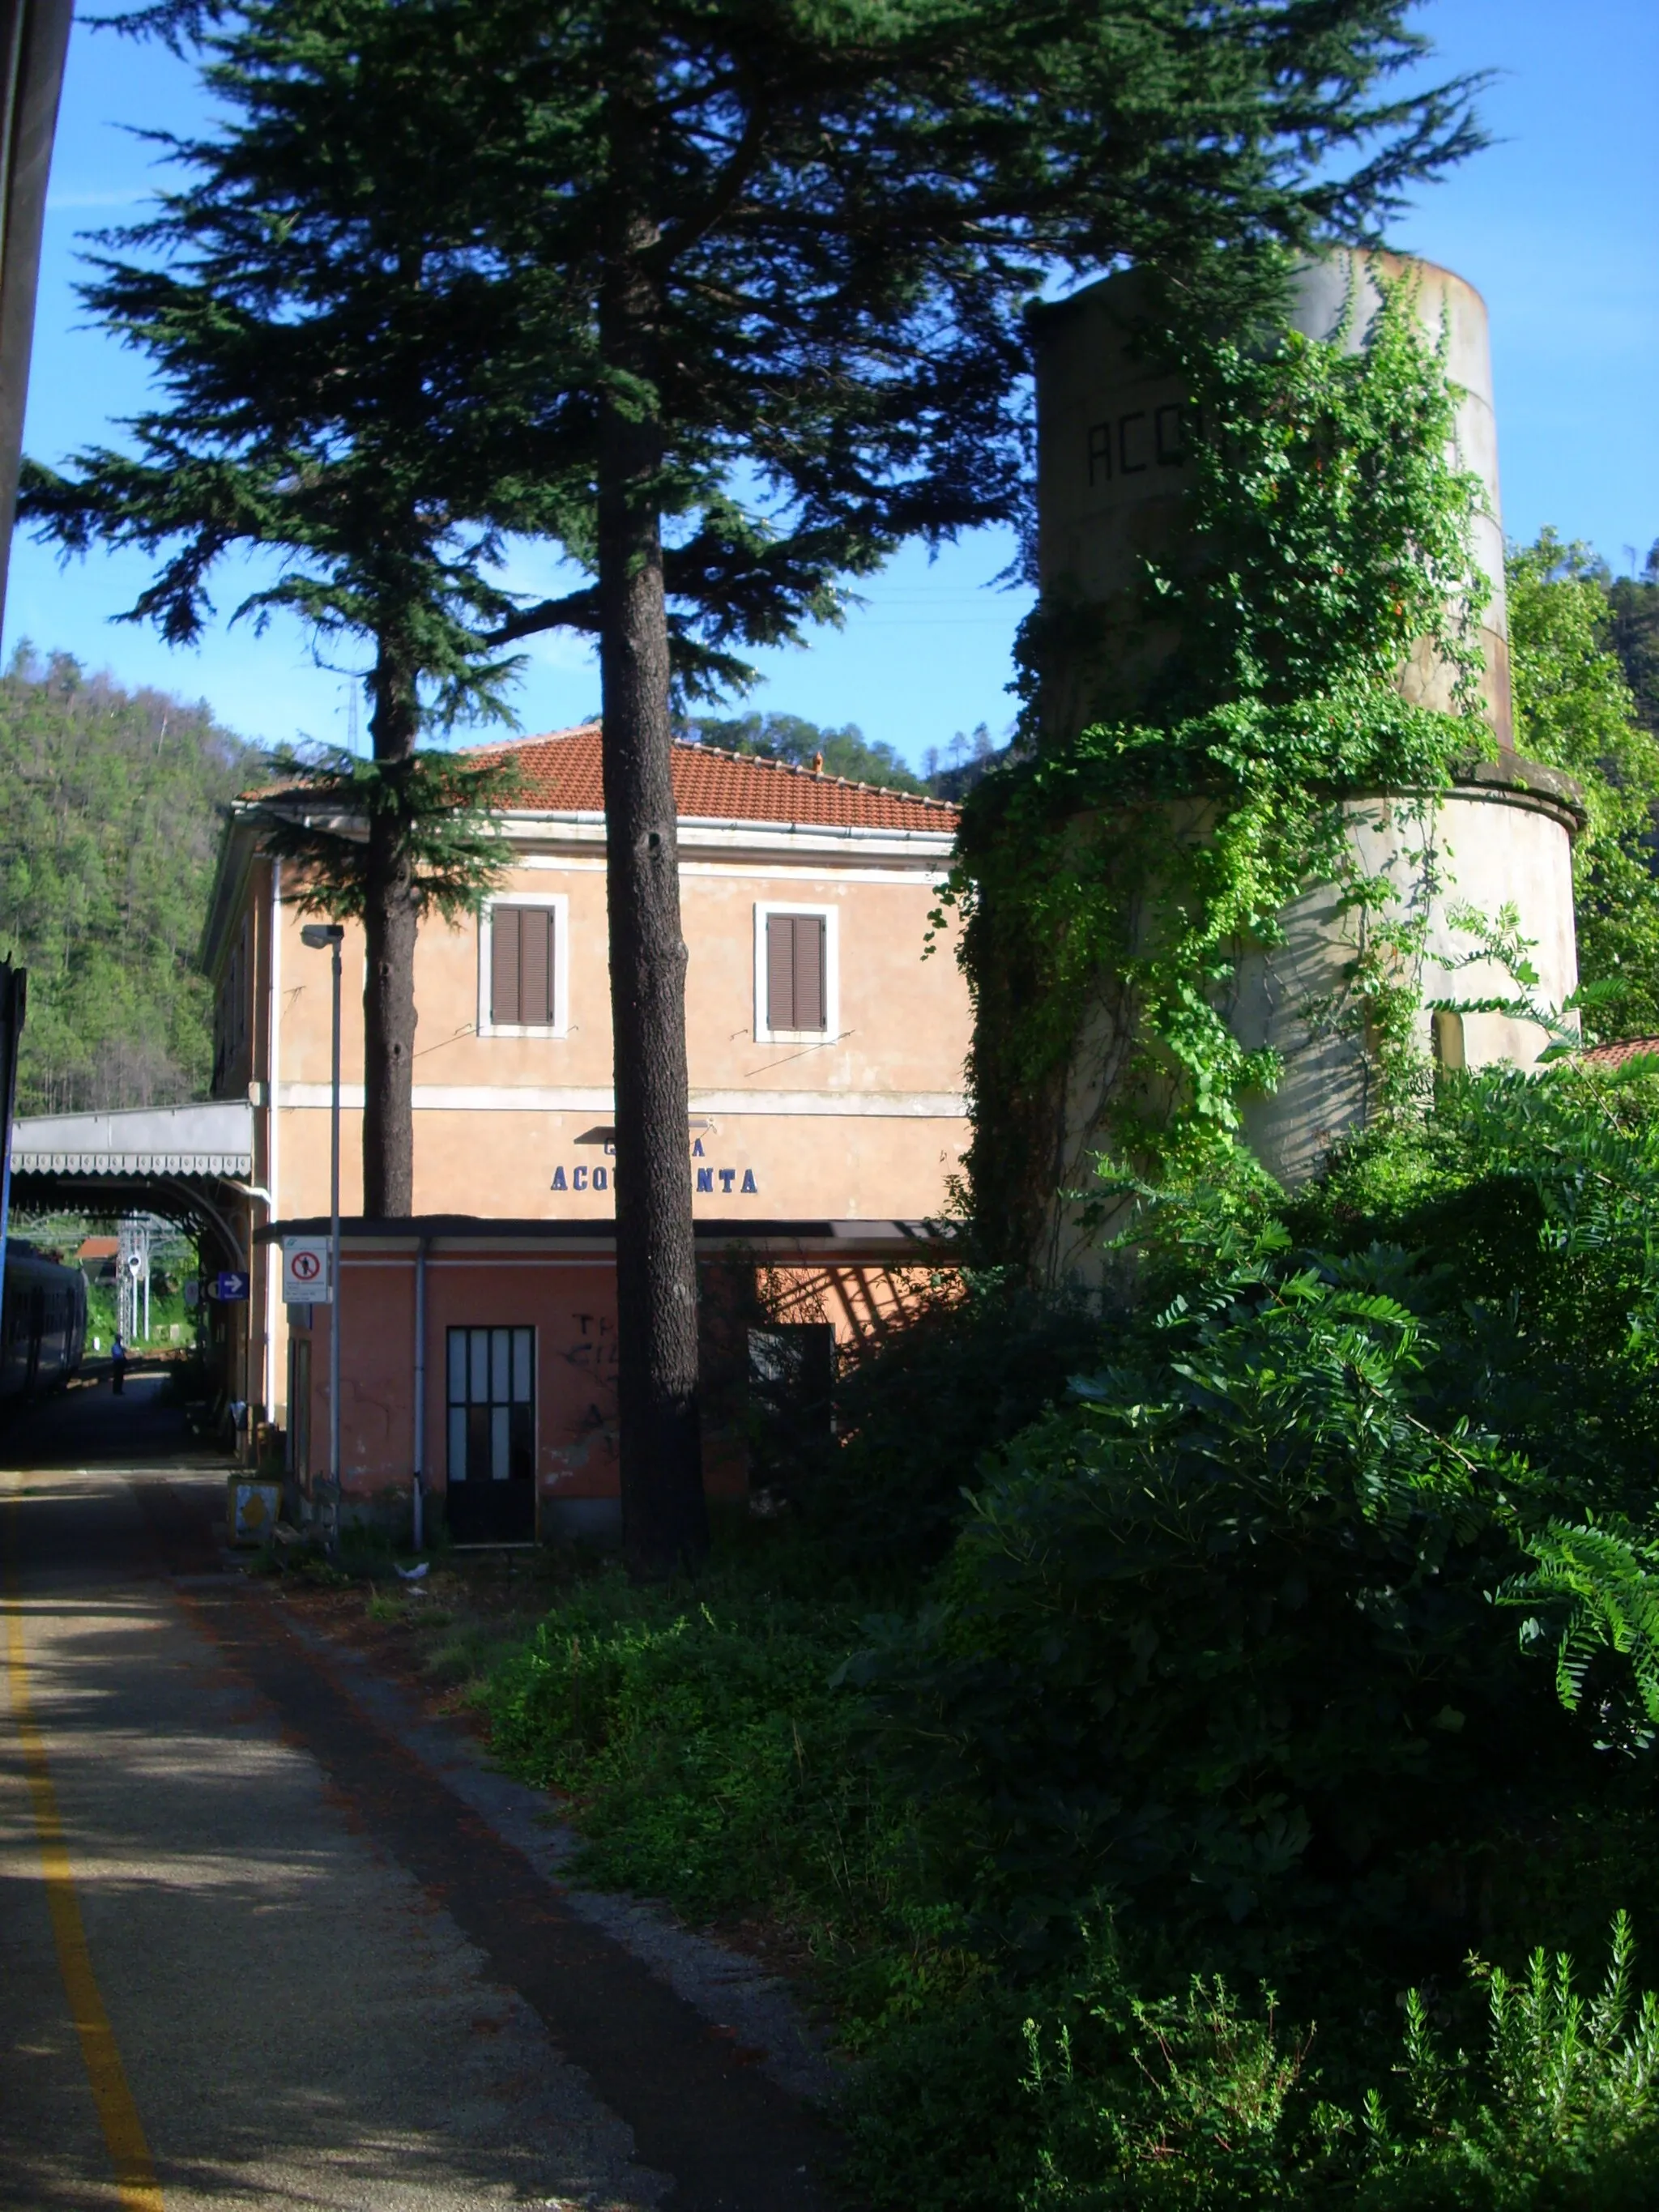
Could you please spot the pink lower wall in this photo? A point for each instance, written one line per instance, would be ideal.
(571, 1305)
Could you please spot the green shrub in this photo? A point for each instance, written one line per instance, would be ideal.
(693, 1740)
(1219, 1641)
(918, 1416)
(1193, 2114)
(940, 2119)
(1563, 2109)
(1205, 2104)
(1295, 1622)
(1309, 1635)
(1535, 1194)
(707, 1761)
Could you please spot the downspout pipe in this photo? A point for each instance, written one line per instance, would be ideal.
(418, 1513)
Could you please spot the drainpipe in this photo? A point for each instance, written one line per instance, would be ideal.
(418, 1514)
(276, 1319)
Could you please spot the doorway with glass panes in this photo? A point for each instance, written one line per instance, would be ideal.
(492, 1436)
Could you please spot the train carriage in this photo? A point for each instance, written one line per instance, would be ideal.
(43, 1321)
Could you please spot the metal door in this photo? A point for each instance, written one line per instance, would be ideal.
(491, 1394)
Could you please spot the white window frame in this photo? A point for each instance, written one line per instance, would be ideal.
(830, 917)
(560, 1025)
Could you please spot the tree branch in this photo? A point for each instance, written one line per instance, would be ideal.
(577, 610)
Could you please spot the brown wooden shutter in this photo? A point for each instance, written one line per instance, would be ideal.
(795, 983)
(781, 971)
(810, 1012)
(535, 965)
(505, 964)
(522, 967)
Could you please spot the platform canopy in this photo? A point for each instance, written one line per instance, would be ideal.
(188, 1164)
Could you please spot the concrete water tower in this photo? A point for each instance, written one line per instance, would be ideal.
(1111, 465)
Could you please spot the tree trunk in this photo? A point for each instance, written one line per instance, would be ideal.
(664, 1516)
(391, 914)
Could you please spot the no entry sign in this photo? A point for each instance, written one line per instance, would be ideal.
(305, 1271)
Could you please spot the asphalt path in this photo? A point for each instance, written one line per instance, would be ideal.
(257, 1948)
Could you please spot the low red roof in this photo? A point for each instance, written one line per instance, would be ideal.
(561, 776)
(1615, 1055)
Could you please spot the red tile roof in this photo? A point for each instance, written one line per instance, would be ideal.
(561, 776)
(1615, 1055)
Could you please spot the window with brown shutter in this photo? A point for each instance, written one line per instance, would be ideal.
(795, 972)
(521, 966)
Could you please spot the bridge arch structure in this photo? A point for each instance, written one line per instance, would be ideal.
(192, 1165)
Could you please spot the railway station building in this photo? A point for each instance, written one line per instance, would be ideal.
(827, 1033)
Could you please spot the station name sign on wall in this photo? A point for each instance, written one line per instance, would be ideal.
(601, 1175)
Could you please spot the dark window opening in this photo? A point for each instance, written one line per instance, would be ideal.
(792, 1395)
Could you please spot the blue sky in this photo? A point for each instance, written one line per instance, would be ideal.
(1553, 224)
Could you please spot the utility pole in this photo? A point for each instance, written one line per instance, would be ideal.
(316, 935)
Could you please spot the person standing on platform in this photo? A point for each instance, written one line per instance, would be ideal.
(118, 1367)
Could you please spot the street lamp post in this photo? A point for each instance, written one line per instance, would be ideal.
(317, 934)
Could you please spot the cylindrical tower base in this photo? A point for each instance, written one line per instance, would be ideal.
(1500, 840)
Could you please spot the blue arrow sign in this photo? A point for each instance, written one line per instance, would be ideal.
(229, 1288)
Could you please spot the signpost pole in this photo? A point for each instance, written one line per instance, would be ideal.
(334, 1259)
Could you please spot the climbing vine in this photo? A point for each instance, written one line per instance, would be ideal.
(1110, 882)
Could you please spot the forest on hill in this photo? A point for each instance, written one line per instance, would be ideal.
(109, 802)
(1633, 611)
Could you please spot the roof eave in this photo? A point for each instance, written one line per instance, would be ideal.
(943, 833)
(237, 845)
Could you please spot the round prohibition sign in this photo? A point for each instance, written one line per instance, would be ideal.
(306, 1266)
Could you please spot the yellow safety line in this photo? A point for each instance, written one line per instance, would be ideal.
(124, 2131)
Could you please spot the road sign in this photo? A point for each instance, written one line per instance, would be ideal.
(229, 1289)
(305, 1271)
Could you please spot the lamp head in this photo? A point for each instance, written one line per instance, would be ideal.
(319, 935)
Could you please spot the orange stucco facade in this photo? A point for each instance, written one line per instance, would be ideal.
(858, 1118)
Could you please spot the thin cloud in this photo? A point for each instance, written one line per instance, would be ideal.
(59, 203)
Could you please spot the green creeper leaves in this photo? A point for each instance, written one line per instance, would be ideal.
(1331, 530)
(1110, 884)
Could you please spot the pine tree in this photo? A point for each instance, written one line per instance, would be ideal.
(795, 244)
(342, 386)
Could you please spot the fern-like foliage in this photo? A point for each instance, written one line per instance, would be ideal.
(1592, 1590)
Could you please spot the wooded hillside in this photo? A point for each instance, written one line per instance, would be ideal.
(108, 831)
